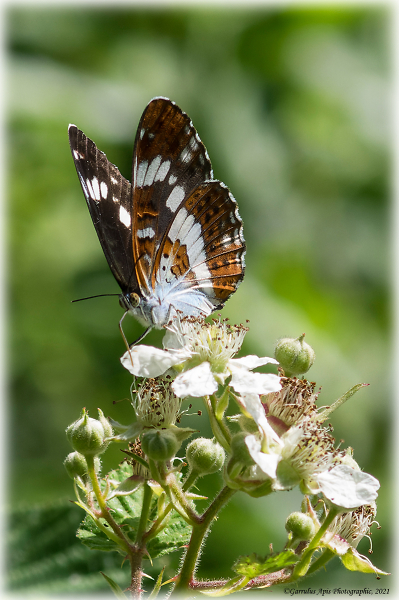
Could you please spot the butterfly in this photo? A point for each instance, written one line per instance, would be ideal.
(173, 238)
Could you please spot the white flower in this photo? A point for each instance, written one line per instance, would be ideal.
(308, 450)
(214, 345)
(203, 353)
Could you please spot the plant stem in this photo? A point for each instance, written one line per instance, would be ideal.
(191, 477)
(136, 551)
(157, 525)
(105, 514)
(186, 575)
(144, 514)
(219, 429)
(321, 561)
(135, 559)
(302, 567)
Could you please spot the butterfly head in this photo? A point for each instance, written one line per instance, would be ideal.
(129, 301)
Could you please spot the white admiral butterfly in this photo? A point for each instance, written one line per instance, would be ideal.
(173, 238)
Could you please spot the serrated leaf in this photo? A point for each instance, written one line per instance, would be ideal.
(353, 561)
(126, 511)
(114, 587)
(175, 535)
(253, 565)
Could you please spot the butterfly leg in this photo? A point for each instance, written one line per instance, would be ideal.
(141, 337)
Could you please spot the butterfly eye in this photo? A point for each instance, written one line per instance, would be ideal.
(129, 301)
(134, 299)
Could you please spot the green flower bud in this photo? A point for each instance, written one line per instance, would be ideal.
(294, 355)
(159, 444)
(240, 450)
(87, 435)
(76, 465)
(301, 526)
(205, 456)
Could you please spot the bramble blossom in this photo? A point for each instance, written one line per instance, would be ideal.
(202, 355)
(306, 455)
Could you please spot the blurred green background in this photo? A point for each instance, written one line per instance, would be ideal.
(293, 107)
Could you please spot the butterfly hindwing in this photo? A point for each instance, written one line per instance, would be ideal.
(108, 196)
(202, 253)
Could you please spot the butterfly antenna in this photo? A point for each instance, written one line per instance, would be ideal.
(90, 297)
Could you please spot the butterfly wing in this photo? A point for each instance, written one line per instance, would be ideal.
(201, 259)
(169, 162)
(108, 196)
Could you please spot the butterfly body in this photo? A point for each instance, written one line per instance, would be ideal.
(173, 237)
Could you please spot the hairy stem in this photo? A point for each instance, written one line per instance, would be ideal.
(104, 512)
(144, 515)
(200, 529)
(302, 567)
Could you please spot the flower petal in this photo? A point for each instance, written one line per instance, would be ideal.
(172, 340)
(347, 487)
(252, 361)
(195, 382)
(244, 381)
(267, 462)
(148, 361)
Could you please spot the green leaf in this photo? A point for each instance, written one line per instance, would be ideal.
(175, 536)
(182, 433)
(157, 586)
(130, 433)
(253, 565)
(43, 552)
(114, 587)
(126, 511)
(353, 561)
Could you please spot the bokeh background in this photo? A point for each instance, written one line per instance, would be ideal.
(293, 107)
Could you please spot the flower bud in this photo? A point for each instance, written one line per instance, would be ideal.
(294, 355)
(159, 444)
(205, 456)
(76, 465)
(301, 526)
(87, 435)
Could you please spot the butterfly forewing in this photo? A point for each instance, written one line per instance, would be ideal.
(169, 161)
(108, 196)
